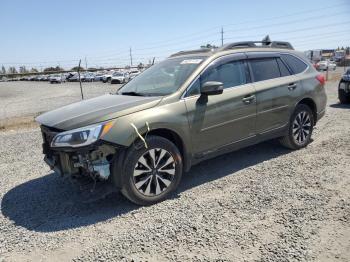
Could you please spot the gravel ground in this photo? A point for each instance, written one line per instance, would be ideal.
(262, 203)
(20, 100)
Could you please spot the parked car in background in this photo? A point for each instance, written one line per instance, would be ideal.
(326, 65)
(344, 88)
(88, 77)
(107, 77)
(134, 73)
(98, 77)
(119, 78)
(59, 78)
(75, 78)
(193, 106)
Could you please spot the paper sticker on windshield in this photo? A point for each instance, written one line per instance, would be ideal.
(191, 61)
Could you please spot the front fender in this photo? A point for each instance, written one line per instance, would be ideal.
(172, 117)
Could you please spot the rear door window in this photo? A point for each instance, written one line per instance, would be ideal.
(264, 69)
(295, 64)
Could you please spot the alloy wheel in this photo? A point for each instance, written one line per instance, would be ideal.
(301, 128)
(154, 172)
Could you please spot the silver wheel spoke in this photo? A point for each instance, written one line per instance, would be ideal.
(143, 161)
(161, 155)
(148, 188)
(168, 162)
(139, 172)
(165, 181)
(152, 153)
(142, 182)
(158, 191)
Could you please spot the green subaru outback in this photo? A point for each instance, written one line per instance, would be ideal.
(193, 106)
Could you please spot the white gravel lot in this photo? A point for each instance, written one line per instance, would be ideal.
(28, 99)
(262, 203)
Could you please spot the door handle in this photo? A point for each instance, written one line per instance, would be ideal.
(248, 99)
(292, 86)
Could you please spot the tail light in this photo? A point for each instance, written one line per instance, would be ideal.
(321, 79)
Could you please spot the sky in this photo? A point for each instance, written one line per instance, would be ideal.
(42, 33)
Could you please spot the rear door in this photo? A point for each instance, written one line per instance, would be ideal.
(275, 87)
(219, 120)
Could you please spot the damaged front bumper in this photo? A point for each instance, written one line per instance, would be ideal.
(92, 161)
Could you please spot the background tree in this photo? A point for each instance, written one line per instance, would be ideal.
(12, 70)
(209, 46)
(53, 69)
(3, 70)
(140, 66)
(23, 70)
(34, 70)
(76, 68)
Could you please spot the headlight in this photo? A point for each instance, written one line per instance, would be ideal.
(82, 136)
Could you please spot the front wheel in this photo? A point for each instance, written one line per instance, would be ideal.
(151, 174)
(300, 128)
(343, 96)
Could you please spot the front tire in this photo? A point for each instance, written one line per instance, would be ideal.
(151, 174)
(344, 97)
(300, 129)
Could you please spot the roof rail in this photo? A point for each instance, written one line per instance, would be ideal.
(196, 51)
(253, 44)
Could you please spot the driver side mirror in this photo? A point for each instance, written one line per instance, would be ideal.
(212, 88)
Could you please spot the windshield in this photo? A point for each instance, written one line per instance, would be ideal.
(164, 78)
(118, 74)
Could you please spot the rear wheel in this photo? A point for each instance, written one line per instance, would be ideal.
(300, 128)
(151, 174)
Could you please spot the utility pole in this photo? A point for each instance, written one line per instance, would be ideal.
(130, 57)
(222, 36)
(85, 63)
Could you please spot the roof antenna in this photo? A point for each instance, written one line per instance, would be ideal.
(266, 40)
(81, 88)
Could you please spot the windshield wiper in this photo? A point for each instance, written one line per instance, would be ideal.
(131, 93)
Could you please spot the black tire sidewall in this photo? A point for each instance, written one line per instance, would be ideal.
(298, 109)
(132, 156)
(344, 97)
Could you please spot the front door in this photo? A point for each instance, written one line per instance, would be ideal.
(220, 120)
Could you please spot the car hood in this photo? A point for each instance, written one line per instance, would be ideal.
(95, 110)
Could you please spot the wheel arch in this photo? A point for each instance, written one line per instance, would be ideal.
(176, 139)
(311, 104)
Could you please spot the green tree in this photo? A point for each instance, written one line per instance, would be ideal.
(209, 46)
(140, 66)
(76, 68)
(12, 70)
(23, 70)
(53, 69)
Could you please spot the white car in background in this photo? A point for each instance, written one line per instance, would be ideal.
(107, 77)
(57, 79)
(134, 73)
(119, 78)
(326, 65)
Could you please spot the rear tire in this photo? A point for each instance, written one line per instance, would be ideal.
(151, 174)
(300, 128)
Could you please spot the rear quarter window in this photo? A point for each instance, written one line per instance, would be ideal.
(295, 64)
